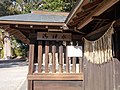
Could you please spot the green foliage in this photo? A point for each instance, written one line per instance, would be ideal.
(2, 53)
(4, 4)
(58, 5)
(22, 6)
(53, 5)
(1, 38)
(8, 7)
(18, 47)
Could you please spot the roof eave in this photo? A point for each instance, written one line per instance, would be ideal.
(31, 23)
(106, 4)
(74, 10)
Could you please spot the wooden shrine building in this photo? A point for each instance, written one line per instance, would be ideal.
(75, 51)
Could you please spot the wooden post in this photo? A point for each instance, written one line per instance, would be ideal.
(39, 56)
(31, 63)
(67, 62)
(74, 64)
(31, 58)
(30, 85)
(46, 56)
(80, 65)
(53, 58)
(60, 58)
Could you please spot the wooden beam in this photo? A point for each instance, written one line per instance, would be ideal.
(13, 32)
(31, 23)
(38, 27)
(27, 41)
(97, 24)
(79, 16)
(98, 18)
(75, 10)
(51, 13)
(16, 33)
(88, 7)
(98, 30)
(92, 4)
(75, 22)
(57, 76)
(102, 7)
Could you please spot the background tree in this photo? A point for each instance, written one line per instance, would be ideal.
(11, 7)
(58, 5)
(26, 6)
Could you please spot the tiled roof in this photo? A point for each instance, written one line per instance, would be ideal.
(35, 18)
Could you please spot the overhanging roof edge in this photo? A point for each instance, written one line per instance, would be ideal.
(73, 11)
(31, 23)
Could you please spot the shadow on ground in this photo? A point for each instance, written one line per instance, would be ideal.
(13, 63)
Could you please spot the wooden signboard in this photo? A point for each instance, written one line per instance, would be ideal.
(54, 36)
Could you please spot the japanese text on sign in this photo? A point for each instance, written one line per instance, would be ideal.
(54, 36)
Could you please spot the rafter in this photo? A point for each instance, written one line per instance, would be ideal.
(16, 33)
(98, 30)
(83, 13)
(103, 6)
(91, 5)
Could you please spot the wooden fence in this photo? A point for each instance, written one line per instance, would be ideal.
(52, 64)
(55, 69)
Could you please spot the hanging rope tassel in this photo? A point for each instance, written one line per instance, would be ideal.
(100, 50)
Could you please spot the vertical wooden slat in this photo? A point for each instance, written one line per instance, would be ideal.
(74, 64)
(39, 56)
(31, 58)
(53, 58)
(46, 56)
(60, 59)
(67, 62)
(30, 85)
(80, 65)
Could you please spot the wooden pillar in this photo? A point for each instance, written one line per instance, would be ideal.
(46, 56)
(67, 62)
(39, 56)
(31, 58)
(31, 64)
(80, 65)
(60, 58)
(74, 64)
(53, 58)
(30, 85)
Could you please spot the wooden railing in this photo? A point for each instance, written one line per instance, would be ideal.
(53, 63)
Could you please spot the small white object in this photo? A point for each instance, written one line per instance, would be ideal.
(74, 51)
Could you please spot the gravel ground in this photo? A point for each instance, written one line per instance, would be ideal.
(13, 75)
